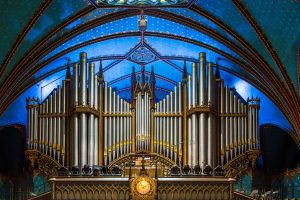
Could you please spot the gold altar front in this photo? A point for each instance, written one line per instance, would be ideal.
(118, 188)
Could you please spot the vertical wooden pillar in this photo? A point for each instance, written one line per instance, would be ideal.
(184, 120)
(100, 118)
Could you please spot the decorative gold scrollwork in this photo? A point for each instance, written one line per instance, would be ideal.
(241, 163)
(161, 161)
(43, 163)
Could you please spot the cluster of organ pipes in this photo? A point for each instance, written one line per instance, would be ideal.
(201, 122)
(168, 125)
(117, 125)
(46, 124)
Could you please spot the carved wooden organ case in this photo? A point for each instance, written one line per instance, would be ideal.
(84, 121)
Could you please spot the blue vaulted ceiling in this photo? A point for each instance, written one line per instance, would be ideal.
(37, 39)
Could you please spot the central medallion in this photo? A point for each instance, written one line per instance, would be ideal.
(142, 55)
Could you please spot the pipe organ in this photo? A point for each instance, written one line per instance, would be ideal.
(200, 122)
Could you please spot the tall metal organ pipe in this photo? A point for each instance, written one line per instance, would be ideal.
(203, 138)
(46, 128)
(106, 124)
(210, 121)
(64, 125)
(235, 133)
(91, 119)
(75, 119)
(222, 122)
(58, 121)
(227, 123)
(190, 141)
(95, 106)
(82, 116)
(194, 138)
(180, 136)
(50, 126)
(54, 122)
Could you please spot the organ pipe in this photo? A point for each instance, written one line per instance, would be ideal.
(54, 122)
(256, 126)
(181, 136)
(196, 123)
(245, 128)
(75, 118)
(202, 80)
(190, 141)
(227, 123)
(91, 119)
(82, 116)
(210, 124)
(43, 139)
(239, 130)
(40, 125)
(46, 128)
(235, 137)
(64, 122)
(106, 124)
(250, 127)
(98, 123)
(58, 119)
(231, 124)
(110, 126)
(167, 138)
(161, 122)
(222, 122)
(50, 126)
(172, 133)
(194, 135)
(175, 125)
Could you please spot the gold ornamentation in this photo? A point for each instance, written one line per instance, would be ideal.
(143, 187)
(46, 165)
(241, 163)
(63, 151)
(188, 190)
(72, 189)
(163, 162)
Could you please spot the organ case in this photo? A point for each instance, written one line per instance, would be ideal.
(85, 121)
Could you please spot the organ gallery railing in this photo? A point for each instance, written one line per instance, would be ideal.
(85, 121)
